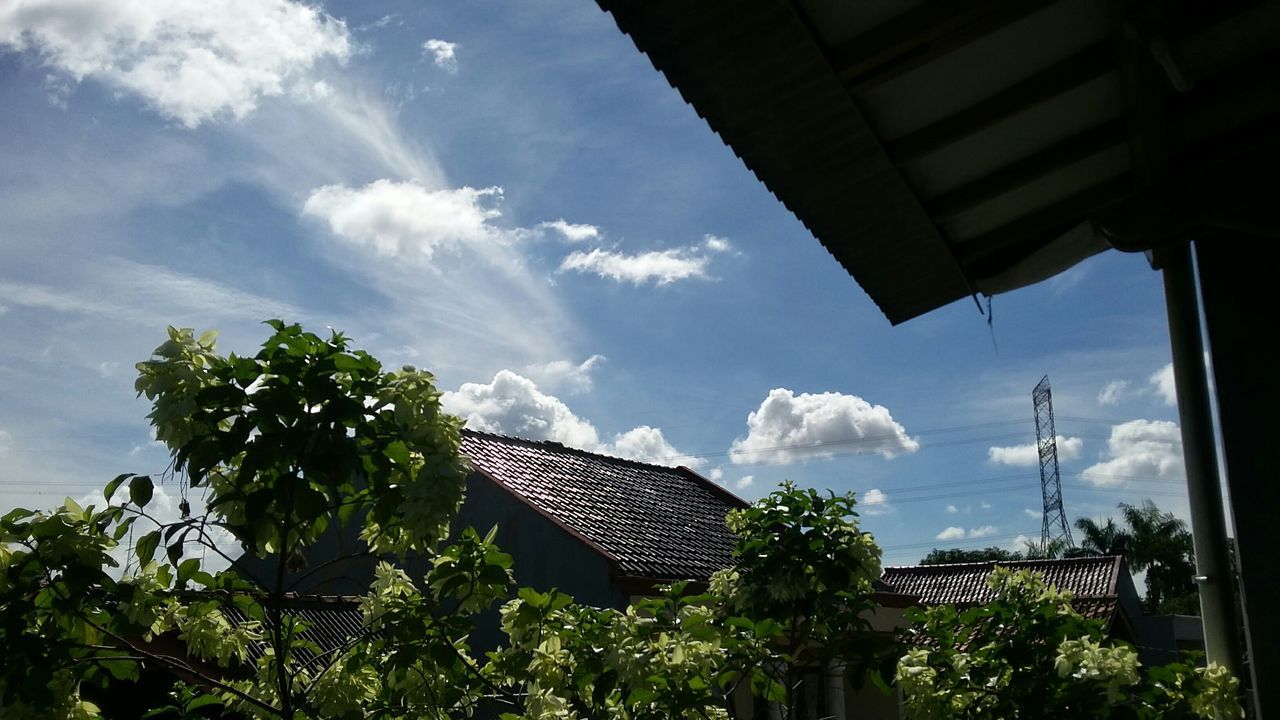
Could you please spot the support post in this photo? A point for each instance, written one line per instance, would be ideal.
(1238, 289)
(1208, 522)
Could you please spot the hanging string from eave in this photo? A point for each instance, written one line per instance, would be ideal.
(989, 315)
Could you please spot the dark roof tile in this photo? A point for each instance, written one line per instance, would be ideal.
(657, 522)
(966, 583)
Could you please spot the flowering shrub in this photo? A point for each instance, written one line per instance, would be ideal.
(1029, 654)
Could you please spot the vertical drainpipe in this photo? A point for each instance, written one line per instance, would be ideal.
(1208, 523)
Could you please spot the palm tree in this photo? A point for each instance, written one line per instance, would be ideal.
(1161, 545)
(1104, 539)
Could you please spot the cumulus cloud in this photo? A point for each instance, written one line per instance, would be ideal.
(564, 375)
(789, 427)
(443, 53)
(661, 267)
(1028, 455)
(646, 444)
(571, 231)
(716, 244)
(1113, 392)
(406, 219)
(1033, 514)
(1161, 381)
(745, 482)
(512, 404)
(959, 533)
(953, 509)
(875, 502)
(1139, 448)
(191, 60)
(716, 475)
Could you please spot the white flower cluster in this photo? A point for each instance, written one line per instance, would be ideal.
(1084, 659)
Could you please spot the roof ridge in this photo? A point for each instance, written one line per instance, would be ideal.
(556, 445)
(986, 563)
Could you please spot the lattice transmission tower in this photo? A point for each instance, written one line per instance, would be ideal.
(1054, 525)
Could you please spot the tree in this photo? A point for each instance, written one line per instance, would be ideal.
(1155, 542)
(1104, 539)
(942, 556)
(1028, 654)
(309, 434)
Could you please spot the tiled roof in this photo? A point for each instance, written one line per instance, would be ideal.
(1088, 578)
(331, 621)
(653, 521)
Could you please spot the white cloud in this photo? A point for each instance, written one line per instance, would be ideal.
(959, 533)
(1113, 392)
(646, 444)
(953, 509)
(146, 295)
(1161, 381)
(661, 267)
(1022, 542)
(789, 427)
(192, 60)
(443, 53)
(1028, 455)
(1139, 449)
(564, 375)
(406, 219)
(716, 244)
(1033, 514)
(571, 231)
(513, 405)
(875, 502)
(744, 482)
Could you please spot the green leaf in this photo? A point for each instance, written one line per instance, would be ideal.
(146, 547)
(115, 483)
(140, 491)
(174, 551)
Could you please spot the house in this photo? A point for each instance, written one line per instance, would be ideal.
(602, 529)
(1102, 588)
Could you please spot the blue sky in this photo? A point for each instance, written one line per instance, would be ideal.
(509, 195)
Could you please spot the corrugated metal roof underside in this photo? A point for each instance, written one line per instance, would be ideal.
(755, 74)
(937, 149)
(657, 522)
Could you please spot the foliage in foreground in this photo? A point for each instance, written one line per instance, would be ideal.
(1029, 654)
(309, 434)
